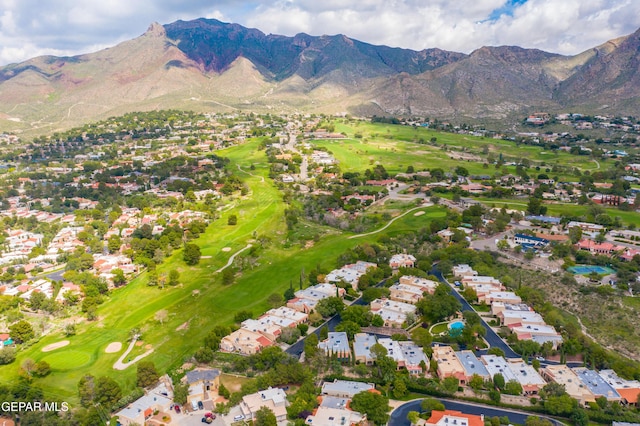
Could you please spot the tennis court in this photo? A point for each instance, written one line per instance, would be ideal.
(587, 269)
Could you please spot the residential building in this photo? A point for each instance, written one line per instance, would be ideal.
(605, 248)
(454, 418)
(527, 376)
(538, 333)
(330, 416)
(563, 375)
(497, 307)
(500, 296)
(464, 270)
(289, 314)
(448, 363)
(362, 343)
(508, 317)
(629, 390)
(275, 399)
(244, 342)
(498, 365)
(471, 365)
(597, 385)
(528, 241)
(337, 345)
(203, 384)
(393, 313)
(159, 398)
(402, 260)
(345, 388)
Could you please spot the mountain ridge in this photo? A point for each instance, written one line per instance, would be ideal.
(206, 64)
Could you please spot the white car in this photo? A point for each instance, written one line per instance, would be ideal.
(238, 418)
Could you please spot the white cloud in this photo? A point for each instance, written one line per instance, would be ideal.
(33, 27)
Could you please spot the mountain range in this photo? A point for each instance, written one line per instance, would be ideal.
(208, 65)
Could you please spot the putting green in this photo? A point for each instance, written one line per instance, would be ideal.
(68, 360)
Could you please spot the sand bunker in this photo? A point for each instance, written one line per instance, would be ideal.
(225, 249)
(113, 347)
(420, 213)
(55, 346)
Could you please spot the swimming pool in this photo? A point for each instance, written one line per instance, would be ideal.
(587, 269)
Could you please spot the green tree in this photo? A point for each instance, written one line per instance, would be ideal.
(146, 374)
(191, 254)
(330, 306)
(431, 404)
(107, 391)
(513, 387)
(399, 388)
(498, 381)
(413, 417)
(310, 346)
(349, 327)
(113, 243)
(232, 220)
(21, 331)
(86, 390)
(118, 277)
(174, 277)
(42, 369)
(265, 417)
(374, 405)
(476, 382)
(180, 393)
(7, 355)
(450, 385)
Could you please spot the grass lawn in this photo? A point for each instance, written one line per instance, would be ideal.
(233, 382)
(190, 315)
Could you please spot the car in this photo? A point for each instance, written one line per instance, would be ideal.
(540, 358)
(206, 420)
(200, 405)
(456, 283)
(238, 418)
(194, 405)
(176, 408)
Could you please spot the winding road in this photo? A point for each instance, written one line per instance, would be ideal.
(391, 221)
(232, 258)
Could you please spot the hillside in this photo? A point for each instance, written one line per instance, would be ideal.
(206, 65)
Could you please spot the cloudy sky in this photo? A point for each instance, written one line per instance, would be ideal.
(30, 28)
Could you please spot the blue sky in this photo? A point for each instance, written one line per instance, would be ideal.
(30, 28)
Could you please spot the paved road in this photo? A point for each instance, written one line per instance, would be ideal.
(491, 337)
(399, 415)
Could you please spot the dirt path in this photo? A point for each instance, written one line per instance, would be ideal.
(233, 256)
(390, 222)
(120, 365)
(250, 174)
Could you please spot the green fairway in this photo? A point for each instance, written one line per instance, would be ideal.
(200, 301)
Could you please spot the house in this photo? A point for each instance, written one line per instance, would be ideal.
(500, 296)
(563, 375)
(5, 340)
(330, 416)
(288, 314)
(537, 332)
(362, 343)
(244, 342)
(345, 388)
(597, 385)
(337, 345)
(275, 399)
(527, 376)
(448, 363)
(464, 270)
(158, 399)
(530, 242)
(393, 313)
(203, 384)
(402, 261)
(629, 390)
(498, 365)
(471, 365)
(410, 289)
(509, 317)
(497, 307)
(454, 418)
(593, 247)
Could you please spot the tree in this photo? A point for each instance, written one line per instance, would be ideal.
(86, 390)
(450, 385)
(330, 306)
(36, 300)
(113, 243)
(498, 381)
(107, 391)
(358, 314)
(413, 417)
(118, 277)
(374, 405)
(232, 220)
(7, 356)
(21, 331)
(431, 404)
(42, 369)
(191, 254)
(180, 393)
(146, 374)
(161, 316)
(513, 387)
(575, 234)
(242, 315)
(349, 327)
(494, 395)
(421, 337)
(228, 275)
(174, 277)
(275, 300)
(476, 383)
(310, 346)
(399, 388)
(265, 417)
